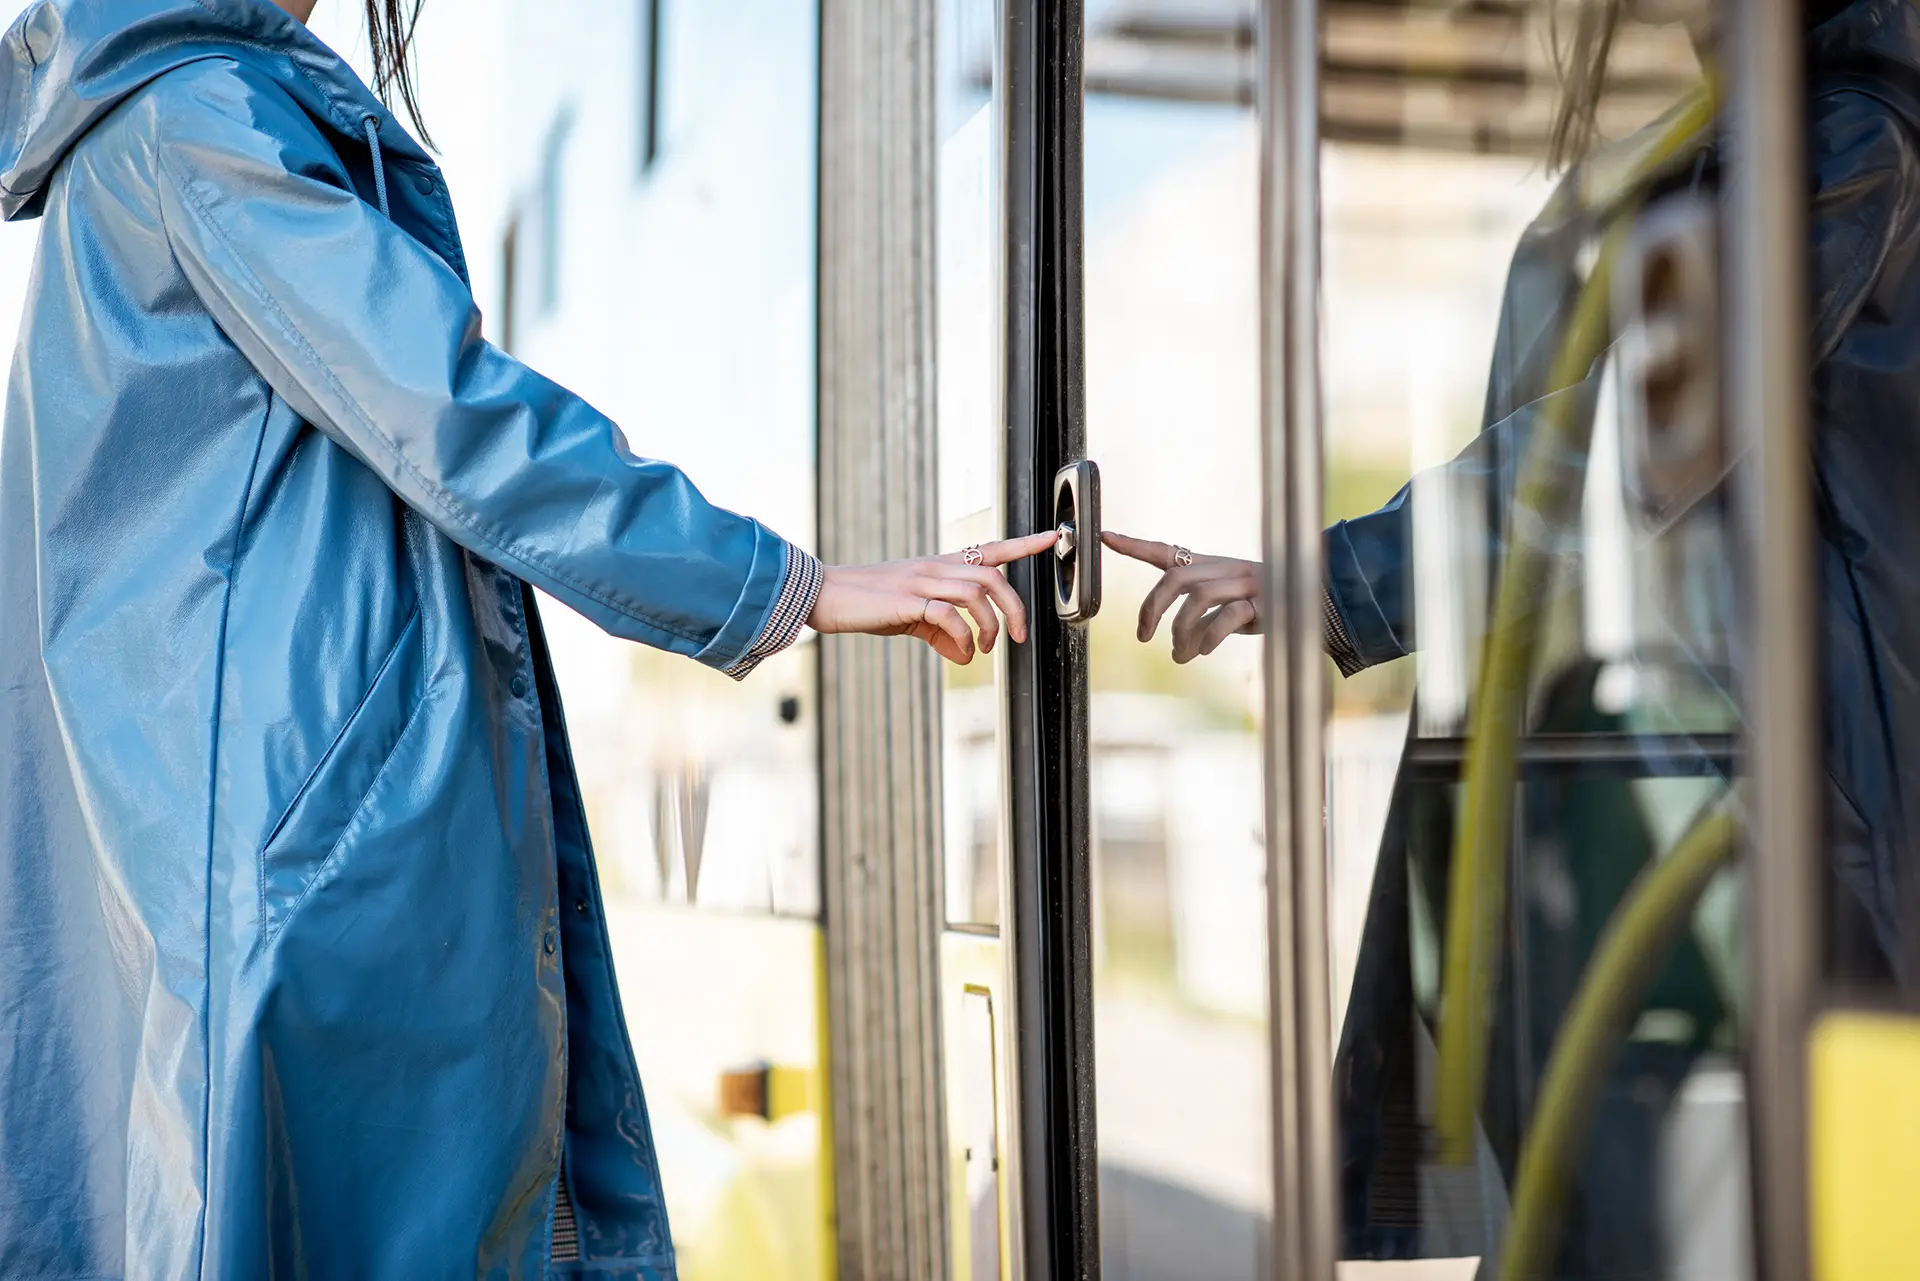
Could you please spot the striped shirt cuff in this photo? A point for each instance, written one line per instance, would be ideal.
(1334, 636)
(566, 1226)
(790, 612)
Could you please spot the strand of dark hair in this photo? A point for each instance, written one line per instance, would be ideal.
(390, 28)
(1582, 66)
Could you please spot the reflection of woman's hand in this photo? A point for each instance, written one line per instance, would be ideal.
(923, 598)
(1223, 595)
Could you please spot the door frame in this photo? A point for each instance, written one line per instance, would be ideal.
(1047, 926)
(880, 701)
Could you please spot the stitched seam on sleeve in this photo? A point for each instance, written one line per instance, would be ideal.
(494, 542)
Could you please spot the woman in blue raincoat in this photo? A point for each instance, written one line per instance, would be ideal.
(302, 965)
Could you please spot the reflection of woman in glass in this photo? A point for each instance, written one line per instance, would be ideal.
(302, 970)
(1589, 837)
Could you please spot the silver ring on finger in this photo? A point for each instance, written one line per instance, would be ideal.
(1182, 557)
(973, 555)
(926, 607)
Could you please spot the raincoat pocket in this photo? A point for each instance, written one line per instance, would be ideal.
(317, 822)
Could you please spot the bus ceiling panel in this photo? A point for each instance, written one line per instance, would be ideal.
(1453, 78)
(1390, 31)
(1202, 17)
(1464, 116)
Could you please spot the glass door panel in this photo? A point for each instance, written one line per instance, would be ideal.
(1528, 592)
(969, 227)
(680, 297)
(984, 1106)
(1172, 368)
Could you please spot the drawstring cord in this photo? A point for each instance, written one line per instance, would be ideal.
(372, 124)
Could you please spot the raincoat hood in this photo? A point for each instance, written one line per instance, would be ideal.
(1887, 31)
(67, 64)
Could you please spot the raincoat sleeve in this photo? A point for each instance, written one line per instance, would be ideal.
(1368, 604)
(376, 341)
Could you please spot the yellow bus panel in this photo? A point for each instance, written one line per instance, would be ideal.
(1864, 1146)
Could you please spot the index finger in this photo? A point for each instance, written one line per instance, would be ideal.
(1158, 555)
(1011, 549)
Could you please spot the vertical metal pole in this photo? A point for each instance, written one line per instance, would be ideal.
(880, 713)
(1302, 1244)
(1767, 392)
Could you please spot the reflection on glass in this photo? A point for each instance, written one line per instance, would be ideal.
(1563, 727)
(968, 231)
(682, 303)
(981, 1121)
(698, 791)
(1860, 425)
(1173, 381)
(1412, 306)
(683, 306)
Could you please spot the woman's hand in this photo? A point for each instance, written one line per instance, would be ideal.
(923, 598)
(1223, 595)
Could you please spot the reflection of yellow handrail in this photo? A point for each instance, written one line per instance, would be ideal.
(1639, 937)
(1546, 495)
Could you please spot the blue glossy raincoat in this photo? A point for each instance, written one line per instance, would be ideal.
(302, 964)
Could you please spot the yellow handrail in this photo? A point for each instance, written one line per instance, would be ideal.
(1476, 905)
(1637, 942)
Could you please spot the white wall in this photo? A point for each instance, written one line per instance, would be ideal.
(686, 300)
(461, 68)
